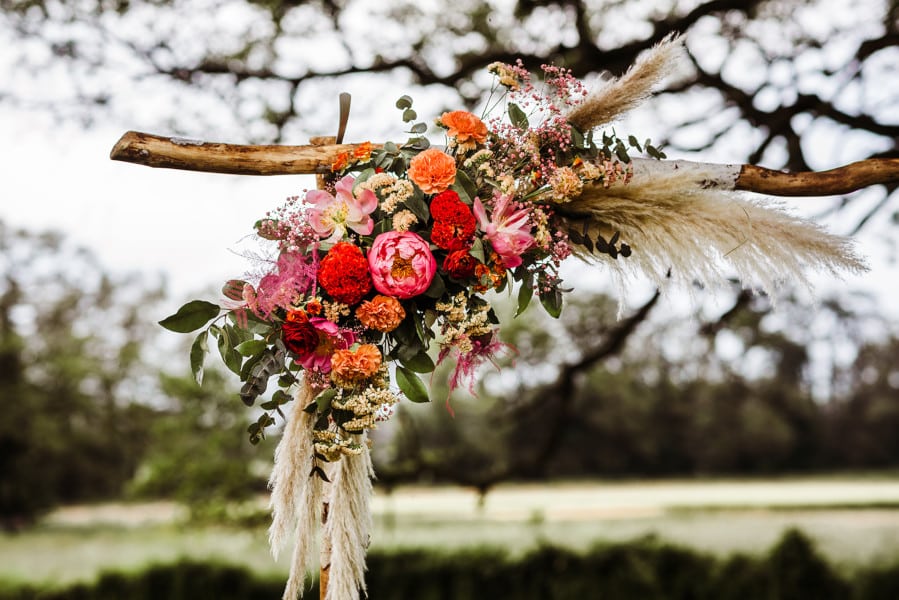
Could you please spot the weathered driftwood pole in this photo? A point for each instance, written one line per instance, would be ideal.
(324, 568)
(195, 155)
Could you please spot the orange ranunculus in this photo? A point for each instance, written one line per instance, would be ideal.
(349, 367)
(340, 162)
(465, 128)
(433, 171)
(362, 152)
(381, 313)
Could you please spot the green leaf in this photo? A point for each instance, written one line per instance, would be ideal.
(226, 349)
(411, 385)
(437, 287)
(404, 102)
(517, 116)
(477, 250)
(552, 302)
(198, 352)
(281, 397)
(419, 128)
(465, 187)
(363, 177)
(420, 363)
(525, 293)
(634, 143)
(323, 400)
(191, 316)
(416, 203)
(251, 347)
(655, 152)
(409, 115)
(621, 153)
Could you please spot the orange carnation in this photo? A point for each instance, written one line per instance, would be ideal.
(433, 171)
(465, 128)
(381, 313)
(349, 367)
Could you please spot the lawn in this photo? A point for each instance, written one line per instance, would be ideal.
(854, 521)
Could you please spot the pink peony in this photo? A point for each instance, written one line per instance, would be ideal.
(507, 229)
(330, 339)
(401, 264)
(330, 216)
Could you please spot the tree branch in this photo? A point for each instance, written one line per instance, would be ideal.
(212, 157)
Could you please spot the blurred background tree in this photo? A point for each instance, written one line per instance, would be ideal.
(72, 376)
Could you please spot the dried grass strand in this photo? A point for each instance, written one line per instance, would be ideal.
(349, 523)
(698, 234)
(620, 95)
(296, 497)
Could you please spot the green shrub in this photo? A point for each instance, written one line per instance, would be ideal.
(644, 569)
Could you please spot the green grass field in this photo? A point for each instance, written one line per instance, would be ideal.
(854, 522)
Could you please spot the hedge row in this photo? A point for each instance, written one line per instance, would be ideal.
(645, 570)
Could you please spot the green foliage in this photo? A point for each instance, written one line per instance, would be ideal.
(644, 569)
(198, 453)
(73, 426)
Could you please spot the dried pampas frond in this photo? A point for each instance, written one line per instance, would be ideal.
(620, 95)
(349, 524)
(683, 219)
(296, 497)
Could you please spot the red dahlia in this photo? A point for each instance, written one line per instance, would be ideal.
(344, 275)
(453, 237)
(445, 204)
(460, 264)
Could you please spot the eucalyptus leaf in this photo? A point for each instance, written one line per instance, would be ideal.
(419, 128)
(191, 316)
(409, 115)
(416, 203)
(404, 102)
(410, 384)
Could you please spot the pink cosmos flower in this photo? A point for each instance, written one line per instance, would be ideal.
(507, 229)
(330, 339)
(401, 264)
(330, 216)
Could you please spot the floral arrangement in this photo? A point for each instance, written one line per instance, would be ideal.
(396, 252)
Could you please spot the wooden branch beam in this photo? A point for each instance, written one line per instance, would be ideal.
(195, 155)
(211, 157)
(841, 180)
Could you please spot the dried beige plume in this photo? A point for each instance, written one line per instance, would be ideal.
(349, 524)
(620, 95)
(296, 497)
(679, 218)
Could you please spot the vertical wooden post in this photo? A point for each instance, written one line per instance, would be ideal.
(324, 570)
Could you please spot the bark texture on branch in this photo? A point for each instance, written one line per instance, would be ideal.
(195, 155)
(236, 159)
